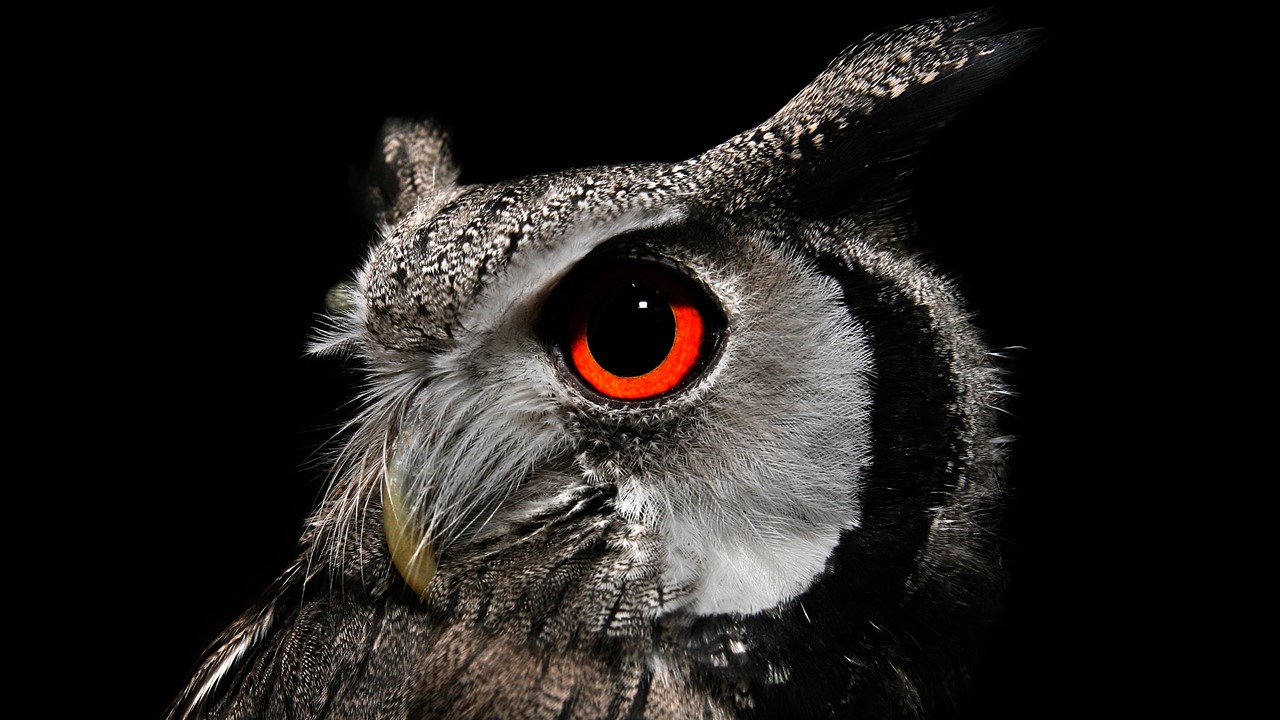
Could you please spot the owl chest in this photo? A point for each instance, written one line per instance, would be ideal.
(570, 620)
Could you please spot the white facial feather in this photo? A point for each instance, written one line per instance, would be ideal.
(486, 421)
(752, 501)
(749, 495)
(749, 491)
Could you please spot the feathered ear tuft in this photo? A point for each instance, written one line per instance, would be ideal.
(846, 140)
(413, 168)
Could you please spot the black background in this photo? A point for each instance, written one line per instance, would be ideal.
(234, 143)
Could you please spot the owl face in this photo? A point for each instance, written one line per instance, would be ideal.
(733, 425)
(689, 439)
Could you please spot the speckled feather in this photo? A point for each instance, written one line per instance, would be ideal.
(804, 531)
(429, 266)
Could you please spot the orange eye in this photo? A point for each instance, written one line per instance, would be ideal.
(636, 328)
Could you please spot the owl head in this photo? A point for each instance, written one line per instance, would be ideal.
(692, 439)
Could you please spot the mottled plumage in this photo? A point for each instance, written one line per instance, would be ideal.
(797, 525)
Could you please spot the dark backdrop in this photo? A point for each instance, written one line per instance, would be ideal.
(240, 138)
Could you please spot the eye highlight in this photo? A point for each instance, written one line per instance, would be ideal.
(632, 328)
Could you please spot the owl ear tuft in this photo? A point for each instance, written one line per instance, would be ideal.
(413, 167)
(849, 138)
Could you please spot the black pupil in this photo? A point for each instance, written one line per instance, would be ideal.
(631, 331)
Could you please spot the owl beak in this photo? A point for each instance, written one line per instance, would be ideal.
(410, 551)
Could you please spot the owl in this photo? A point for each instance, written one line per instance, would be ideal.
(699, 439)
